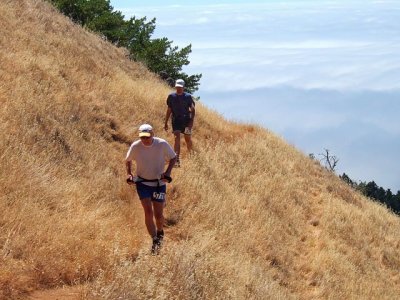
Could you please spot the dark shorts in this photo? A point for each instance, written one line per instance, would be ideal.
(179, 123)
(155, 193)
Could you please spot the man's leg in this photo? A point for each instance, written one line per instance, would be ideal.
(177, 144)
(148, 216)
(158, 214)
(189, 144)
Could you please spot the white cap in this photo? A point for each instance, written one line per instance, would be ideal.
(145, 130)
(179, 83)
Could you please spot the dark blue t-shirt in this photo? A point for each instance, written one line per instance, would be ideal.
(180, 104)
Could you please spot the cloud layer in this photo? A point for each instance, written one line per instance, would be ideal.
(350, 45)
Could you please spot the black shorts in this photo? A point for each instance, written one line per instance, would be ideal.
(180, 123)
(155, 193)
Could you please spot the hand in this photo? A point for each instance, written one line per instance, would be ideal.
(166, 178)
(129, 179)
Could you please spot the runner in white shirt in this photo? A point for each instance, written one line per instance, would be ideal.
(150, 155)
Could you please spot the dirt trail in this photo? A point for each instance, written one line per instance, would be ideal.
(311, 245)
(64, 293)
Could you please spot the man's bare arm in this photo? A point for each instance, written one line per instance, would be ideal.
(171, 164)
(192, 114)
(167, 115)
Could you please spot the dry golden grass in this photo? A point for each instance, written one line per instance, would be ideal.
(249, 216)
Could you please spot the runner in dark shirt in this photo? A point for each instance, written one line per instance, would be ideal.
(182, 108)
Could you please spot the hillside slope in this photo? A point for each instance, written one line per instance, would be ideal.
(249, 216)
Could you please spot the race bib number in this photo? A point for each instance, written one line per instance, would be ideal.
(158, 196)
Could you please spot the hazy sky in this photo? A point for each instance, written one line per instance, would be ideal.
(321, 74)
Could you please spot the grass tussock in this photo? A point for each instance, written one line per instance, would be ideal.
(249, 216)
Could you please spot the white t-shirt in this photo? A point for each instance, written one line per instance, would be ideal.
(150, 160)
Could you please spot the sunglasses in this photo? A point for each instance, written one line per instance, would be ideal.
(145, 137)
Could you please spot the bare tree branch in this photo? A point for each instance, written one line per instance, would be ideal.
(330, 161)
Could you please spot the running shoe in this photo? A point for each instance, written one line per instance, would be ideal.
(160, 236)
(155, 247)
